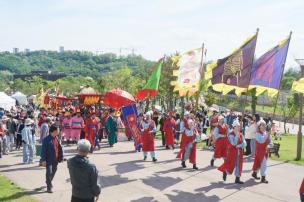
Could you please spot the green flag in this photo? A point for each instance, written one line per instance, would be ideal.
(151, 88)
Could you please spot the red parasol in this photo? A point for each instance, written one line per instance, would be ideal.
(118, 98)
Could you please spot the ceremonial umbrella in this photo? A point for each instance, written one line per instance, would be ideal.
(117, 98)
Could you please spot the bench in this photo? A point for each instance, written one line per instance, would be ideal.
(274, 150)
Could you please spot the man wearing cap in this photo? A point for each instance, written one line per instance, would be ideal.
(27, 142)
(111, 128)
(188, 142)
(263, 142)
(66, 126)
(51, 155)
(77, 125)
(148, 128)
(234, 158)
(91, 129)
(220, 137)
(169, 128)
(84, 175)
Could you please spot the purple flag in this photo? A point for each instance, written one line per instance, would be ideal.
(268, 69)
(235, 69)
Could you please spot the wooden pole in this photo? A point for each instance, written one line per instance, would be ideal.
(202, 77)
(276, 103)
(245, 101)
(299, 138)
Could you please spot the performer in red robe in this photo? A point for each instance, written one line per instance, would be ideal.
(169, 128)
(188, 142)
(213, 124)
(234, 157)
(220, 137)
(263, 141)
(91, 128)
(302, 191)
(148, 128)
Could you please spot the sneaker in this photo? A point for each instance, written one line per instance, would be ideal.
(145, 158)
(154, 159)
(49, 191)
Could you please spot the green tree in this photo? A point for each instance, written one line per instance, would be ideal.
(289, 109)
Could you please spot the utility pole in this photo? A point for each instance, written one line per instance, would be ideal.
(299, 142)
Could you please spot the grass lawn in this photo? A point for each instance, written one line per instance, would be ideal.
(10, 192)
(288, 149)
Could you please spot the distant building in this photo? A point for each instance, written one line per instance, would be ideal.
(26, 50)
(15, 50)
(46, 75)
(61, 49)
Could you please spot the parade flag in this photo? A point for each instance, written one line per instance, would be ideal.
(151, 88)
(233, 72)
(130, 120)
(298, 86)
(268, 70)
(189, 72)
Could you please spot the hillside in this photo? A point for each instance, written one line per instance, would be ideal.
(70, 62)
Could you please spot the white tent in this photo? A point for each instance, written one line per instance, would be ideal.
(20, 97)
(6, 102)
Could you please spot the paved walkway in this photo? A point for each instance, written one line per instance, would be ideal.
(125, 177)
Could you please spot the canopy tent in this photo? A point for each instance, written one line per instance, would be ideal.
(6, 102)
(20, 97)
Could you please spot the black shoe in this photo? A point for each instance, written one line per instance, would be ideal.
(167, 147)
(195, 167)
(212, 162)
(145, 158)
(49, 190)
(184, 164)
(238, 181)
(224, 176)
(255, 176)
(263, 180)
(154, 159)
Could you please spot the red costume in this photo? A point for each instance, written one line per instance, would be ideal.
(232, 156)
(91, 128)
(221, 142)
(147, 136)
(169, 126)
(185, 141)
(302, 187)
(261, 151)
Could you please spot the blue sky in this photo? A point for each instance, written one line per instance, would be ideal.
(152, 28)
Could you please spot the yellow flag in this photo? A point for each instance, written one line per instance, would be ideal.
(298, 86)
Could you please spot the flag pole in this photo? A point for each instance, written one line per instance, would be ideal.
(245, 101)
(202, 77)
(276, 103)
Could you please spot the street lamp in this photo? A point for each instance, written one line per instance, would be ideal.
(299, 142)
